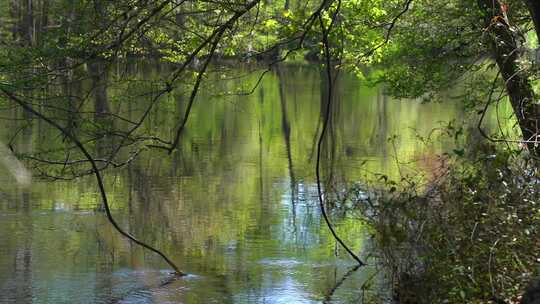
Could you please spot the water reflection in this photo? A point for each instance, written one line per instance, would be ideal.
(236, 207)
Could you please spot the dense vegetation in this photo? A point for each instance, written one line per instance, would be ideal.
(66, 64)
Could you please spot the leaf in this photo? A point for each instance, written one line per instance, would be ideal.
(459, 152)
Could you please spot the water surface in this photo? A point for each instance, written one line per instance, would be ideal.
(235, 207)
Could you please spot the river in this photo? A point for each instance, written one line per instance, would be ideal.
(236, 207)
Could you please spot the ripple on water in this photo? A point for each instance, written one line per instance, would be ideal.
(283, 263)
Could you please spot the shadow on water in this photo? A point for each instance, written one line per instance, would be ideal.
(286, 129)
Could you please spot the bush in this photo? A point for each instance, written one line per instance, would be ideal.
(472, 236)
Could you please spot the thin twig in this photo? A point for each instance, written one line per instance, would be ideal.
(98, 176)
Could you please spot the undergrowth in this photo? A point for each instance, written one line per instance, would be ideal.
(471, 235)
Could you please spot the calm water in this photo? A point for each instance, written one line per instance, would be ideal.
(236, 207)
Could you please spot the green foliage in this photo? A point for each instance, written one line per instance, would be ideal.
(471, 236)
(71, 59)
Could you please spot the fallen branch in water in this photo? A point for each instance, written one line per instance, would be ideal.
(328, 298)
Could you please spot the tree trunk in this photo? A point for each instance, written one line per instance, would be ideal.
(507, 51)
(14, 18)
(534, 10)
(98, 72)
(28, 24)
(43, 21)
